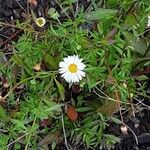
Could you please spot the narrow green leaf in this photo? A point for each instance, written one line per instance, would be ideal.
(51, 62)
(116, 120)
(100, 14)
(19, 123)
(83, 109)
(3, 114)
(60, 89)
(112, 137)
(56, 107)
(142, 78)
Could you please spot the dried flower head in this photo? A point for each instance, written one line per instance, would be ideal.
(40, 21)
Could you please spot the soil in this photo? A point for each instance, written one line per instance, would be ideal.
(11, 10)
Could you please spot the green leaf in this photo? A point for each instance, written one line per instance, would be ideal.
(112, 137)
(130, 21)
(60, 89)
(100, 14)
(19, 61)
(51, 11)
(83, 109)
(116, 120)
(51, 62)
(138, 45)
(142, 78)
(55, 107)
(3, 114)
(19, 123)
(3, 140)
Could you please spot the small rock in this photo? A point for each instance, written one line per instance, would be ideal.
(144, 138)
(16, 13)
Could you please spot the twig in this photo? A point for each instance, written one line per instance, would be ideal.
(14, 141)
(64, 132)
(147, 30)
(109, 98)
(10, 38)
(4, 36)
(21, 28)
(102, 92)
(140, 102)
(77, 9)
(21, 6)
(136, 139)
(62, 9)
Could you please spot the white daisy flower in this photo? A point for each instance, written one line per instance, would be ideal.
(40, 21)
(71, 69)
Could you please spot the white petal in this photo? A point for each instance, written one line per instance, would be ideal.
(68, 60)
(62, 68)
(81, 66)
(67, 77)
(62, 64)
(65, 60)
(62, 71)
(79, 76)
(74, 78)
(81, 73)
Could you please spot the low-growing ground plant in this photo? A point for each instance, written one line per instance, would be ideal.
(39, 108)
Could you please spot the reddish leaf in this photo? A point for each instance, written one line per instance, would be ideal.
(76, 88)
(147, 70)
(34, 2)
(45, 122)
(5, 83)
(72, 113)
(138, 72)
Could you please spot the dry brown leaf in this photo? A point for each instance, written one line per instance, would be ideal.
(50, 138)
(37, 67)
(2, 99)
(124, 129)
(72, 113)
(34, 2)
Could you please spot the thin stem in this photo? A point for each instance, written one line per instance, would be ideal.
(64, 132)
(136, 139)
(109, 98)
(14, 141)
(62, 9)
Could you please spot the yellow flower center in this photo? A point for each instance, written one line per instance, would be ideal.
(72, 68)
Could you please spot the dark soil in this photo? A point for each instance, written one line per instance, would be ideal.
(11, 10)
(140, 124)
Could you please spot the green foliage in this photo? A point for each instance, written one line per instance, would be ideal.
(109, 40)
